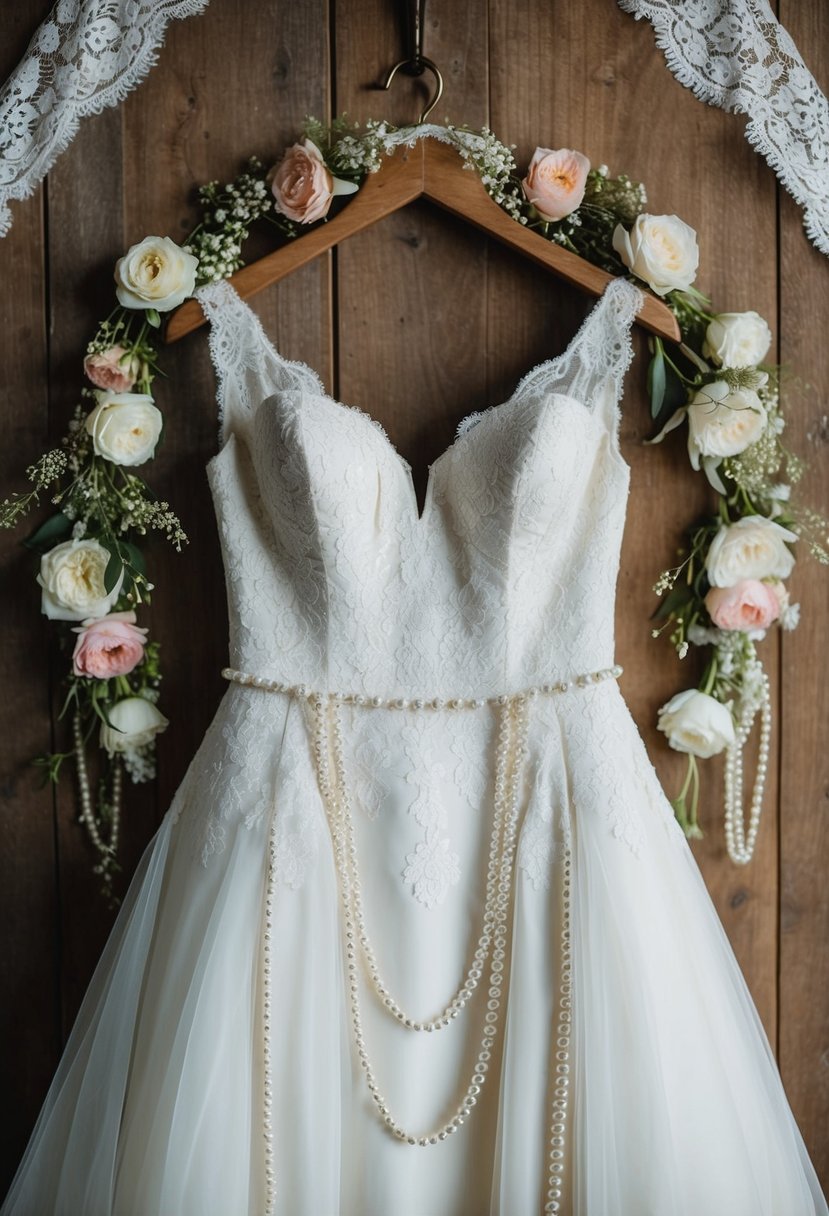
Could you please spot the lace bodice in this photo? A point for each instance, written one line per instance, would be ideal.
(505, 579)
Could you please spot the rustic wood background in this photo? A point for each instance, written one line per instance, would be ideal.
(420, 320)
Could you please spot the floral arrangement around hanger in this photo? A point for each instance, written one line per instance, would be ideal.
(725, 593)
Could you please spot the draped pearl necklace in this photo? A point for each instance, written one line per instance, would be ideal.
(328, 752)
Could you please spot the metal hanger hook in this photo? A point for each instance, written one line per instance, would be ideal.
(415, 67)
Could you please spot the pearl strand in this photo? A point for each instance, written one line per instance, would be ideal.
(267, 1061)
(303, 693)
(463, 994)
(558, 1122)
(739, 842)
(510, 754)
(106, 849)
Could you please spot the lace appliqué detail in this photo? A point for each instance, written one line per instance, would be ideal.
(737, 56)
(297, 833)
(433, 867)
(547, 826)
(85, 57)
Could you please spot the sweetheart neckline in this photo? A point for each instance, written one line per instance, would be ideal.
(469, 421)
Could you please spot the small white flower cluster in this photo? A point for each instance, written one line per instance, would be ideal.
(47, 468)
(140, 762)
(355, 154)
(494, 163)
(229, 211)
(143, 514)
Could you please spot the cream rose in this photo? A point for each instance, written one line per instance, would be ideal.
(156, 273)
(302, 184)
(134, 722)
(723, 421)
(746, 606)
(661, 250)
(555, 181)
(737, 339)
(753, 547)
(124, 427)
(72, 579)
(696, 723)
(112, 369)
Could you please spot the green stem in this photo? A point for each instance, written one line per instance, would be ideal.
(710, 677)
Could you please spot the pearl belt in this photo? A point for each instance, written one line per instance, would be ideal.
(326, 728)
(303, 693)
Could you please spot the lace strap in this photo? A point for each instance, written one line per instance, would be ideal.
(248, 366)
(593, 366)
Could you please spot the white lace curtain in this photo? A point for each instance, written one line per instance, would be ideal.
(89, 54)
(736, 55)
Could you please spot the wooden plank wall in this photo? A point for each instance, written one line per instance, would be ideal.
(418, 321)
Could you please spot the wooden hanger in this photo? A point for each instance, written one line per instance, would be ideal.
(433, 171)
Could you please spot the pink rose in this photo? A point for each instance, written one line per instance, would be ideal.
(108, 646)
(108, 372)
(555, 181)
(747, 605)
(302, 184)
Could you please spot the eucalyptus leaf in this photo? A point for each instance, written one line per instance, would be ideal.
(656, 380)
(55, 529)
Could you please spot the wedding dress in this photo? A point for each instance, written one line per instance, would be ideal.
(419, 934)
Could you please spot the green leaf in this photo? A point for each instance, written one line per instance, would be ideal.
(672, 602)
(113, 571)
(153, 318)
(656, 380)
(56, 528)
(134, 556)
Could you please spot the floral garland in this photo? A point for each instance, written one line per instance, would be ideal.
(725, 593)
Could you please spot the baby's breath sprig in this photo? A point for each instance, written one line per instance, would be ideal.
(228, 213)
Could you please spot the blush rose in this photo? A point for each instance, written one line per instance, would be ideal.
(555, 181)
(749, 604)
(302, 184)
(112, 370)
(108, 646)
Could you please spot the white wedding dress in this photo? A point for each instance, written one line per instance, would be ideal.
(508, 866)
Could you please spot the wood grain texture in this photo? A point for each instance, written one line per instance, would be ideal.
(411, 315)
(607, 79)
(29, 899)
(419, 320)
(804, 699)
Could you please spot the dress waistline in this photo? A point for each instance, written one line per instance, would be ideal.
(303, 693)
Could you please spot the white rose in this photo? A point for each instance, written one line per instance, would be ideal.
(72, 578)
(753, 547)
(660, 249)
(694, 722)
(124, 427)
(723, 421)
(134, 722)
(737, 339)
(155, 274)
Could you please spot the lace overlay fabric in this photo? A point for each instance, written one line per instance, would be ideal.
(337, 581)
(735, 54)
(87, 55)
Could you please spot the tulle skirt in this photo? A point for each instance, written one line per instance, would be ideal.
(674, 1103)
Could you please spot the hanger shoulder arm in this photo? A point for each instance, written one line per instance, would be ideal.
(448, 184)
(399, 181)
